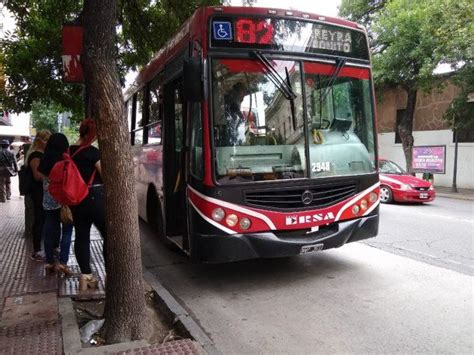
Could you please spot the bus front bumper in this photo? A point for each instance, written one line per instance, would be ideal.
(227, 248)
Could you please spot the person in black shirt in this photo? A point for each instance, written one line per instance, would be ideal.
(92, 209)
(235, 134)
(33, 161)
(7, 166)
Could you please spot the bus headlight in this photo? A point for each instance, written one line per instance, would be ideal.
(245, 223)
(373, 197)
(355, 209)
(363, 204)
(231, 220)
(218, 214)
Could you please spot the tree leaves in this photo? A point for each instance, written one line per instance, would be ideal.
(32, 54)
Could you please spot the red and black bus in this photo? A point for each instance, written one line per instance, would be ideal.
(253, 132)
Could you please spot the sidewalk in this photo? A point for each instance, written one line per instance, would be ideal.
(36, 313)
(462, 194)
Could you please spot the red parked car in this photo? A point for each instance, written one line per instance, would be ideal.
(397, 185)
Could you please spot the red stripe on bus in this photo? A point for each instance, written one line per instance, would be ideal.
(328, 69)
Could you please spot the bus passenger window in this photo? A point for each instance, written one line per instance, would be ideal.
(129, 106)
(139, 137)
(138, 127)
(156, 115)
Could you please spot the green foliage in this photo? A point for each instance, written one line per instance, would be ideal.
(460, 114)
(410, 38)
(72, 132)
(361, 11)
(44, 116)
(32, 54)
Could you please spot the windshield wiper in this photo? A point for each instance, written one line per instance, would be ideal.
(292, 100)
(279, 82)
(340, 64)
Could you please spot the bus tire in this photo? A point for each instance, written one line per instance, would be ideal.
(386, 195)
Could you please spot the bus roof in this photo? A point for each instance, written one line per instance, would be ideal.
(200, 16)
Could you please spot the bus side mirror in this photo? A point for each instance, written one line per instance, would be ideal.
(192, 83)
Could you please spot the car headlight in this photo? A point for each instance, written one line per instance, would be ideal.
(405, 187)
(431, 188)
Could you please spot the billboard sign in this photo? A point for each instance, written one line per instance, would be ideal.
(429, 159)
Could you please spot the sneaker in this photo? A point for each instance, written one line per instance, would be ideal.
(37, 257)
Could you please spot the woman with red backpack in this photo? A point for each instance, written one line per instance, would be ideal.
(92, 208)
(54, 232)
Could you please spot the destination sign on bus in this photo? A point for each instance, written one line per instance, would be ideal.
(288, 35)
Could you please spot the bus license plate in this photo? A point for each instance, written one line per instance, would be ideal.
(310, 248)
(423, 195)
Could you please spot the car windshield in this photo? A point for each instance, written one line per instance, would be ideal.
(262, 130)
(389, 167)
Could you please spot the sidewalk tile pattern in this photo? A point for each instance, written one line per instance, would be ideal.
(184, 346)
(68, 287)
(31, 338)
(19, 274)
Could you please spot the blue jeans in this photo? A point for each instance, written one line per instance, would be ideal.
(52, 236)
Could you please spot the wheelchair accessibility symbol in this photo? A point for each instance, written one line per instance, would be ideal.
(222, 30)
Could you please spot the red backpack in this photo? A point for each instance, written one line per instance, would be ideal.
(66, 184)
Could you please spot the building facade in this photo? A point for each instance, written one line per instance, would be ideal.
(429, 129)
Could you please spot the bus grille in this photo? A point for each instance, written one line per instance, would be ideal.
(292, 198)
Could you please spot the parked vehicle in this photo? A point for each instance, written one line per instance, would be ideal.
(397, 185)
(266, 143)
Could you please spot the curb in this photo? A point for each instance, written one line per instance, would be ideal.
(167, 305)
(71, 338)
(455, 196)
(177, 315)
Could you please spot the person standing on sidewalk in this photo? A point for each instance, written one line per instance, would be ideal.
(53, 234)
(8, 167)
(36, 192)
(92, 209)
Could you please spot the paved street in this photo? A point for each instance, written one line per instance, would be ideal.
(357, 298)
(440, 233)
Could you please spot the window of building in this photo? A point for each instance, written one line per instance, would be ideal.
(465, 136)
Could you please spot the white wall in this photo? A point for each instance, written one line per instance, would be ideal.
(465, 174)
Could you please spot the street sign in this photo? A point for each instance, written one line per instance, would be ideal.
(222, 30)
(429, 159)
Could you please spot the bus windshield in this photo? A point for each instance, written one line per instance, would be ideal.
(263, 133)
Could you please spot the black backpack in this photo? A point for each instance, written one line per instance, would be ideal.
(26, 180)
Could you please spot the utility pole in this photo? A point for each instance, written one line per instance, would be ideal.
(454, 187)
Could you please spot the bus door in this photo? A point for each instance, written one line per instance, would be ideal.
(174, 144)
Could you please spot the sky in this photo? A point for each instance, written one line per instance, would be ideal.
(320, 7)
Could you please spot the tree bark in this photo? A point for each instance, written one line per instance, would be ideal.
(125, 300)
(405, 127)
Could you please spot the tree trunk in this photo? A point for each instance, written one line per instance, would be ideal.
(125, 300)
(405, 127)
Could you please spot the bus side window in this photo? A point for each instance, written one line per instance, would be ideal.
(155, 115)
(196, 167)
(138, 131)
